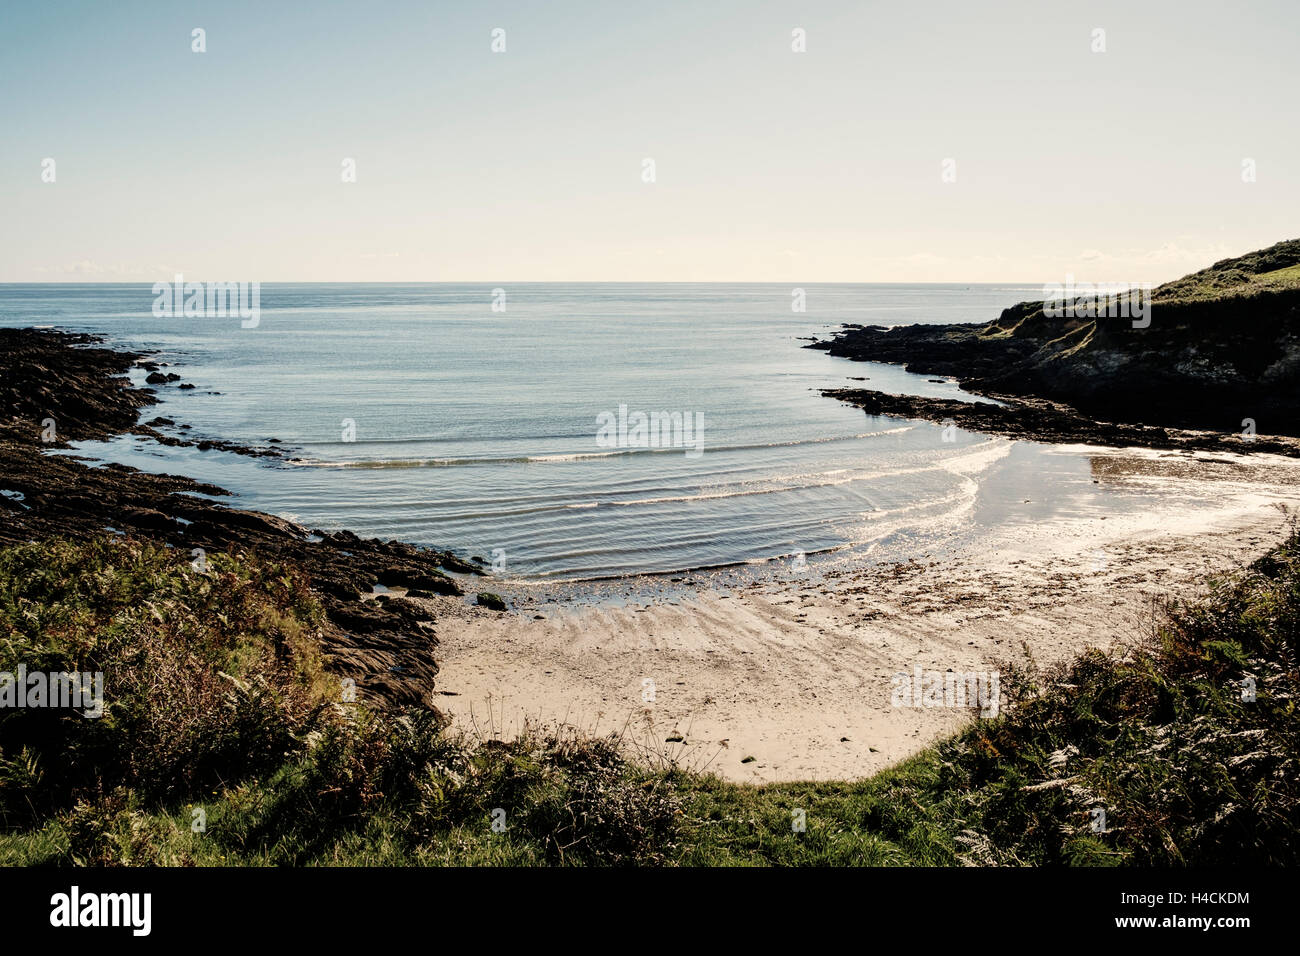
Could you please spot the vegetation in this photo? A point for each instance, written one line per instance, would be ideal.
(1275, 269)
(491, 601)
(220, 746)
(209, 676)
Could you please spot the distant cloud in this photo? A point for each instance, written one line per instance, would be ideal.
(90, 269)
(1172, 252)
(1168, 260)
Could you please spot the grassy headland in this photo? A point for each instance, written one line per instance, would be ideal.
(1219, 346)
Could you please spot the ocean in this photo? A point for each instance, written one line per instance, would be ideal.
(421, 412)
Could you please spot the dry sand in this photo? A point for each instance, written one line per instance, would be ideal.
(796, 673)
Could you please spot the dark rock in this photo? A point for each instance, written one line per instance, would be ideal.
(1222, 345)
(419, 579)
(453, 563)
(491, 601)
(387, 648)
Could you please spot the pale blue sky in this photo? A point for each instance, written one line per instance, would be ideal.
(526, 165)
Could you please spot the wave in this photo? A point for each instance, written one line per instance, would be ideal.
(425, 439)
(961, 468)
(977, 459)
(568, 577)
(576, 456)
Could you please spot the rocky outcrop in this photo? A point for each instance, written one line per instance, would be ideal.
(1041, 420)
(386, 646)
(1222, 346)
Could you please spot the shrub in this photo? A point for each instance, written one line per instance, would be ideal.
(208, 677)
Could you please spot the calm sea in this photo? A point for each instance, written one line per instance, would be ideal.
(416, 411)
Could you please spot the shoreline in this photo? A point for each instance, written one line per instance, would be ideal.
(1210, 353)
(775, 670)
(1050, 422)
(71, 380)
(797, 674)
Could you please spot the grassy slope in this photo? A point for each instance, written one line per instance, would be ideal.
(1274, 269)
(1186, 771)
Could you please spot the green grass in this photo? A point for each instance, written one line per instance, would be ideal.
(1186, 771)
(1274, 269)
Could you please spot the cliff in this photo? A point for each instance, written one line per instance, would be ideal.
(1219, 346)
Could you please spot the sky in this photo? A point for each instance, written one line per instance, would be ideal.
(1122, 165)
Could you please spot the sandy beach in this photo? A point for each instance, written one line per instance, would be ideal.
(796, 673)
